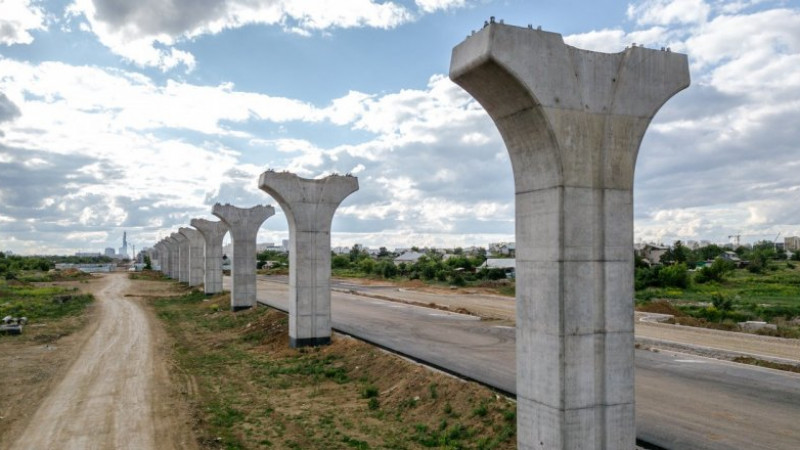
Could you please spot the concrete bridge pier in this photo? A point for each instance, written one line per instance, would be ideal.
(572, 121)
(196, 257)
(183, 257)
(309, 206)
(172, 245)
(163, 255)
(243, 225)
(213, 233)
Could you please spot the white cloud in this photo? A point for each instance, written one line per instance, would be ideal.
(17, 19)
(429, 6)
(145, 32)
(669, 12)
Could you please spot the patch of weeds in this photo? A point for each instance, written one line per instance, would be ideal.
(409, 403)
(769, 364)
(314, 366)
(448, 409)
(370, 391)
(432, 390)
(447, 437)
(224, 416)
(355, 443)
(481, 410)
(41, 303)
(373, 403)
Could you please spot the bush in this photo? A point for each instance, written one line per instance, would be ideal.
(676, 275)
(458, 280)
(715, 272)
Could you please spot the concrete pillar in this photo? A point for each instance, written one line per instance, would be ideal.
(196, 257)
(572, 121)
(172, 266)
(309, 206)
(158, 259)
(243, 225)
(212, 233)
(183, 257)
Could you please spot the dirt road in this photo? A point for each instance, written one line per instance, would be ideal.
(117, 392)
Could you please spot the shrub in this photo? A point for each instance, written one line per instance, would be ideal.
(676, 275)
(715, 272)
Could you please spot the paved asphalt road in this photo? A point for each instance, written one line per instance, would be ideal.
(683, 401)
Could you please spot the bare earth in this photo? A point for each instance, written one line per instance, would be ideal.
(116, 393)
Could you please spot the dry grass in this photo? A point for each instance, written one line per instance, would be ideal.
(250, 390)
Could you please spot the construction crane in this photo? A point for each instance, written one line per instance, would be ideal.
(736, 236)
(775, 241)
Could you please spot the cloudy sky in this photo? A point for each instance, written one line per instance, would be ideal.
(138, 116)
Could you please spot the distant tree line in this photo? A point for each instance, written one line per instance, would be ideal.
(12, 265)
(458, 268)
(675, 263)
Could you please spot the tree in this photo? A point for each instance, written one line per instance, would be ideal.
(709, 252)
(715, 272)
(366, 265)
(147, 263)
(678, 253)
(676, 275)
(357, 253)
(340, 262)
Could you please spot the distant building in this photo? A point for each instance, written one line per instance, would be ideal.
(651, 253)
(110, 252)
(503, 248)
(507, 265)
(88, 254)
(408, 258)
(123, 251)
(792, 243)
(269, 246)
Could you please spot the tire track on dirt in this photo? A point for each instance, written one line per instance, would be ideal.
(106, 399)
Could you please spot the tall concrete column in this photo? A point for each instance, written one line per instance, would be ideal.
(212, 233)
(572, 121)
(309, 206)
(161, 252)
(172, 266)
(183, 257)
(243, 225)
(196, 257)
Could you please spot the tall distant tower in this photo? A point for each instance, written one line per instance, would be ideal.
(123, 251)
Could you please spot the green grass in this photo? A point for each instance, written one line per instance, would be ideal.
(41, 303)
(772, 296)
(252, 391)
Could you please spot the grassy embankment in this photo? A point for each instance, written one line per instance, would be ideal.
(250, 390)
(52, 311)
(772, 296)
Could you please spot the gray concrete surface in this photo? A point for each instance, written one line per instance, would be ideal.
(684, 402)
(163, 257)
(309, 206)
(197, 260)
(213, 233)
(184, 268)
(172, 244)
(243, 224)
(572, 121)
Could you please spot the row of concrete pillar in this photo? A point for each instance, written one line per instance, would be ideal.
(572, 121)
(194, 255)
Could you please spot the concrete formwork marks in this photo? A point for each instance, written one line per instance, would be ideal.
(309, 206)
(196, 258)
(572, 121)
(243, 224)
(213, 233)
